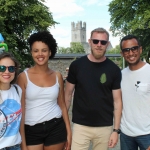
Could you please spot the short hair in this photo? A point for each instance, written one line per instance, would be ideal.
(100, 30)
(129, 37)
(9, 55)
(45, 37)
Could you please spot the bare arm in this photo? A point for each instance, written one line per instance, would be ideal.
(61, 103)
(21, 81)
(117, 116)
(117, 108)
(68, 94)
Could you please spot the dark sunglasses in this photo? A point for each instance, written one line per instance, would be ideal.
(133, 49)
(11, 69)
(103, 42)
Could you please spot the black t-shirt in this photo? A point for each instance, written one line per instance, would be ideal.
(93, 99)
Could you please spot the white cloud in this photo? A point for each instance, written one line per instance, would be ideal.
(61, 8)
(91, 2)
(67, 11)
(104, 3)
(98, 2)
(62, 36)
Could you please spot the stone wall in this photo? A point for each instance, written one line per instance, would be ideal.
(60, 65)
(61, 61)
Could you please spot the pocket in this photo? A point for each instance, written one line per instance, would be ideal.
(143, 88)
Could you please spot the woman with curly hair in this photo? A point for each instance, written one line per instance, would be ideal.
(45, 124)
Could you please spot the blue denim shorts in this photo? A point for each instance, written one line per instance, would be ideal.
(132, 143)
(15, 147)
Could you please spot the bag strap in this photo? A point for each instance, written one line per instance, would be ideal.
(16, 89)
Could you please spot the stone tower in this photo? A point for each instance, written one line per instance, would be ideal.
(78, 34)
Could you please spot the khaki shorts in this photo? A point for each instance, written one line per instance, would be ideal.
(83, 135)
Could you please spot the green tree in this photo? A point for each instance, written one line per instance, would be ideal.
(117, 60)
(131, 17)
(115, 50)
(18, 19)
(76, 47)
(64, 50)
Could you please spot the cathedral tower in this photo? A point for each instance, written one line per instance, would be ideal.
(78, 34)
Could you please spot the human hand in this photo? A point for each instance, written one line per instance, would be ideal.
(68, 143)
(113, 140)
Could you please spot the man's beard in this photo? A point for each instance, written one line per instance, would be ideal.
(98, 56)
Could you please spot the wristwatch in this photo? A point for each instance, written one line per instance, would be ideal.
(117, 130)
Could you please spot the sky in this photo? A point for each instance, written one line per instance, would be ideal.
(94, 12)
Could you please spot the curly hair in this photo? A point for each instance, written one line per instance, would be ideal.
(9, 55)
(45, 37)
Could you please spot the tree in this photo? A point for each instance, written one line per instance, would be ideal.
(131, 17)
(20, 18)
(64, 50)
(117, 60)
(115, 50)
(76, 47)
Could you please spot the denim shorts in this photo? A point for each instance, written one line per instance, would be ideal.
(15, 147)
(48, 133)
(134, 143)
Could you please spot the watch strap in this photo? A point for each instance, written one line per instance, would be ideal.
(117, 130)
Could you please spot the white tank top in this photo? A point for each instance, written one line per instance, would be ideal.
(41, 103)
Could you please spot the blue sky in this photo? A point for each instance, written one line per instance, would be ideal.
(93, 12)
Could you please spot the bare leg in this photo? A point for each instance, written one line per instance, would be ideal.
(59, 146)
(35, 147)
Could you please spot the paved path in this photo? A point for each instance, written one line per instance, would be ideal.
(117, 146)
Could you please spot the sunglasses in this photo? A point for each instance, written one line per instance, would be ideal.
(11, 69)
(134, 49)
(103, 42)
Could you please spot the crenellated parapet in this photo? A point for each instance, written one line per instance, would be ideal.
(78, 26)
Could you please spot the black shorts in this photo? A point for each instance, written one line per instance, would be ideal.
(48, 133)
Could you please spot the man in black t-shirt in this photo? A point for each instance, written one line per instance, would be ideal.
(95, 81)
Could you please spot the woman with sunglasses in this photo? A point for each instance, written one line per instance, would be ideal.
(45, 115)
(10, 105)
